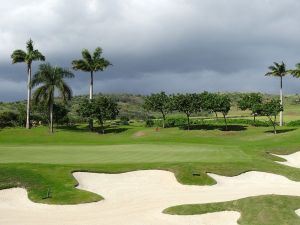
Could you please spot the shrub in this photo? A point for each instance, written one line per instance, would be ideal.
(124, 120)
(8, 119)
(294, 123)
(149, 123)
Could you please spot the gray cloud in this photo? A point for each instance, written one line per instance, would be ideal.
(171, 45)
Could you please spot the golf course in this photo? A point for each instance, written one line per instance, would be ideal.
(157, 112)
(43, 163)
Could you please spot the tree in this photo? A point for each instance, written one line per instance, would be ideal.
(159, 102)
(91, 63)
(252, 102)
(186, 103)
(101, 108)
(223, 106)
(271, 109)
(278, 70)
(50, 79)
(20, 56)
(211, 103)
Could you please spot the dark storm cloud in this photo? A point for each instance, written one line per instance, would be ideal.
(170, 45)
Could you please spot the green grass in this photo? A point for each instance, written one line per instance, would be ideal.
(268, 210)
(38, 161)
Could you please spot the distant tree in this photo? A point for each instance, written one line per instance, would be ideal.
(271, 109)
(91, 63)
(279, 70)
(223, 106)
(159, 102)
(252, 102)
(20, 56)
(187, 104)
(101, 108)
(50, 79)
(212, 103)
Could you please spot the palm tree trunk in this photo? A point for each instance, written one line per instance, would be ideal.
(91, 125)
(28, 98)
(281, 102)
(51, 117)
(91, 85)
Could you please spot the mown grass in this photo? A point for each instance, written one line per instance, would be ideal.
(265, 212)
(39, 161)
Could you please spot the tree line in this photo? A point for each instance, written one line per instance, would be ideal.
(48, 80)
(212, 103)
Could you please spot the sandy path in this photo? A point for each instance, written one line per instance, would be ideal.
(138, 198)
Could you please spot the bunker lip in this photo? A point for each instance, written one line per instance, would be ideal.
(139, 197)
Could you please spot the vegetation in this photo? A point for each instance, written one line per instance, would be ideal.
(48, 79)
(271, 109)
(102, 108)
(20, 56)
(251, 102)
(158, 102)
(279, 70)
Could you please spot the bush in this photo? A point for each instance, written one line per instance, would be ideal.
(175, 122)
(124, 120)
(294, 123)
(9, 119)
(149, 123)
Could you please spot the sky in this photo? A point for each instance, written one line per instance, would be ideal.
(155, 45)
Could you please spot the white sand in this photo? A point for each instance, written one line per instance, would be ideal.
(292, 160)
(138, 198)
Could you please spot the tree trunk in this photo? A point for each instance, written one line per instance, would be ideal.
(254, 119)
(51, 117)
(91, 125)
(164, 119)
(281, 102)
(225, 121)
(216, 115)
(102, 127)
(28, 97)
(188, 118)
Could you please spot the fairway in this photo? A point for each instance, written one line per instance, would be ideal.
(131, 153)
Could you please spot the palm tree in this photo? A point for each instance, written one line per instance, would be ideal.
(20, 56)
(91, 63)
(278, 70)
(50, 79)
(296, 72)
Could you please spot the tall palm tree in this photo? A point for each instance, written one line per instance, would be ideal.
(278, 70)
(91, 63)
(20, 56)
(50, 79)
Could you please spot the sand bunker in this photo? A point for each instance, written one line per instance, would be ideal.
(137, 198)
(292, 160)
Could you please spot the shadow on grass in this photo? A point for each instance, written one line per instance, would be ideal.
(107, 129)
(216, 127)
(111, 130)
(281, 131)
(74, 128)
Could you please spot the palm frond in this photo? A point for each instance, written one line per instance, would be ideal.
(81, 65)
(29, 45)
(18, 56)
